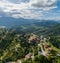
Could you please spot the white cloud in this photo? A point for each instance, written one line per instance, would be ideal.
(18, 10)
(28, 9)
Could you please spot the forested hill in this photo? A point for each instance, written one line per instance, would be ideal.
(43, 27)
(55, 30)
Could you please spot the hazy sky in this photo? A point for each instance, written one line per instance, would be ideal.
(34, 9)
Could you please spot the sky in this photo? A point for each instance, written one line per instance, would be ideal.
(30, 9)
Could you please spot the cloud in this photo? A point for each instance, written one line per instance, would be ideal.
(44, 4)
(18, 10)
(34, 9)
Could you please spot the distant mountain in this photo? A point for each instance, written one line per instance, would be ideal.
(36, 26)
(9, 22)
(46, 23)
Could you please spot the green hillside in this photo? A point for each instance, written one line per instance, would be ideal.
(31, 43)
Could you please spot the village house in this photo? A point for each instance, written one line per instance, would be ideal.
(28, 56)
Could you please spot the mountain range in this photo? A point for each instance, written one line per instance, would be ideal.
(9, 22)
